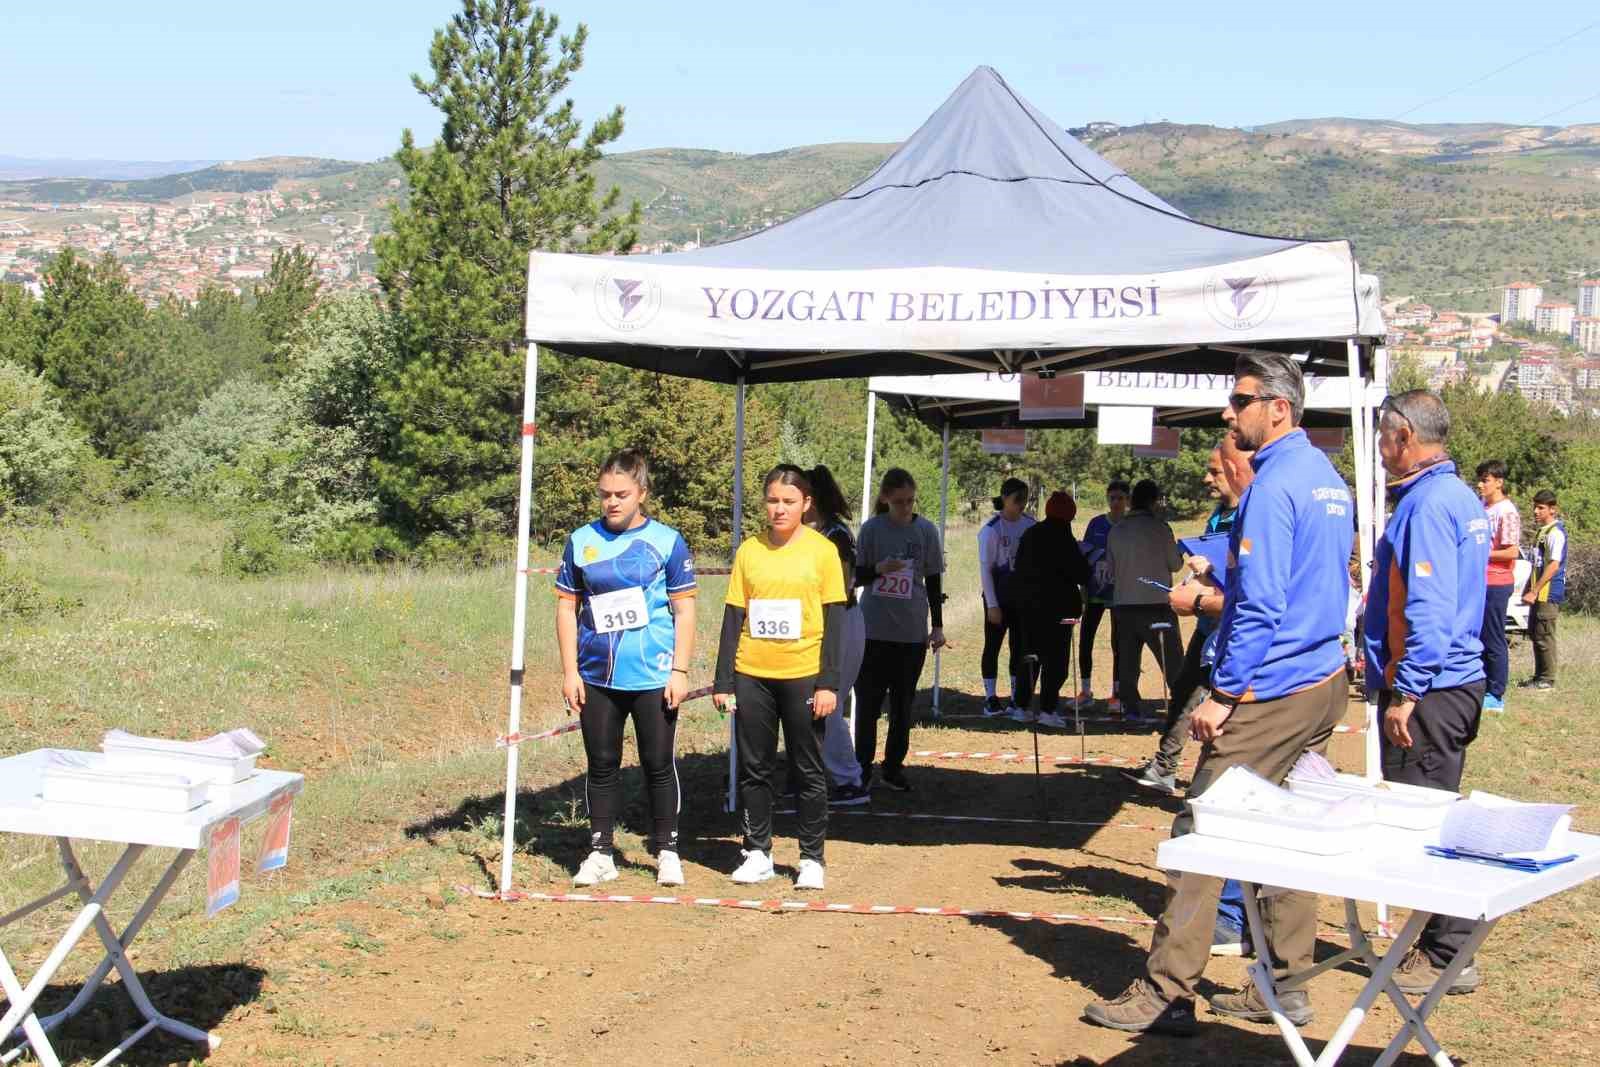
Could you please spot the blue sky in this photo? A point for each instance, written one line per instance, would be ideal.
(177, 79)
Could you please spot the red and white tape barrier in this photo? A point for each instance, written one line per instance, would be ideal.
(572, 724)
(708, 571)
(806, 905)
(1019, 757)
(1105, 720)
(930, 817)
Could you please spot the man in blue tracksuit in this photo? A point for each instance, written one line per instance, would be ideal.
(1424, 617)
(1278, 688)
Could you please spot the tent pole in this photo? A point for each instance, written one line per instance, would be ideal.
(1359, 452)
(519, 611)
(1377, 482)
(866, 465)
(944, 513)
(737, 535)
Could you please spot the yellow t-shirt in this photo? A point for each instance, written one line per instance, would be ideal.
(807, 570)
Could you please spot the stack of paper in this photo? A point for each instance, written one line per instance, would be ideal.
(1493, 829)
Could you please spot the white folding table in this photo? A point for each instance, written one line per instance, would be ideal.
(24, 811)
(1395, 872)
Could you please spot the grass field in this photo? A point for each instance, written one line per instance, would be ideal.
(387, 689)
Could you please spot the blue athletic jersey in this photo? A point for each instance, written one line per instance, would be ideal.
(596, 561)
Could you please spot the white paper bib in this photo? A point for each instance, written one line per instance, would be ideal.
(774, 620)
(621, 610)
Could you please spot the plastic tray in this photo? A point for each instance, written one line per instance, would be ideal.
(1298, 835)
(1401, 806)
(216, 770)
(105, 787)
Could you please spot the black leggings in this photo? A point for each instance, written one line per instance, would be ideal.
(889, 668)
(604, 717)
(1010, 631)
(764, 703)
(1092, 614)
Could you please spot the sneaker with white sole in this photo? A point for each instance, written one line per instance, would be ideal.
(1082, 702)
(1019, 714)
(596, 868)
(811, 876)
(1050, 718)
(994, 706)
(1147, 777)
(669, 869)
(757, 867)
(1114, 706)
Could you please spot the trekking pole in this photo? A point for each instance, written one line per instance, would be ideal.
(1160, 628)
(1077, 704)
(1029, 662)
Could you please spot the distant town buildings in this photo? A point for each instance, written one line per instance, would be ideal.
(1518, 300)
(1589, 298)
(1586, 333)
(1553, 316)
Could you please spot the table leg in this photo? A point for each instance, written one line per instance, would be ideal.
(1261, 976)
(1480, 933)
(1382, 973)
(33, 1034)
(94, 904)
(116, 956)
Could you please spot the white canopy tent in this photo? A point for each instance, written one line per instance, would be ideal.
(994, 400)
(991, 240)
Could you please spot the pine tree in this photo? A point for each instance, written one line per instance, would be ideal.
(509, 174)
(283, 299)
(19, 327)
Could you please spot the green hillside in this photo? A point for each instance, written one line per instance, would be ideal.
(256, 175)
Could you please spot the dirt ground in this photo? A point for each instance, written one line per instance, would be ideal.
(427, 975)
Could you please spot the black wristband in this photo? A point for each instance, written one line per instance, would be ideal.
(680, 670)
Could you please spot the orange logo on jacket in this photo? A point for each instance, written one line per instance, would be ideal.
(1423, 569)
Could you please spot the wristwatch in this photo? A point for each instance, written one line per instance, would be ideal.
(1197, 598)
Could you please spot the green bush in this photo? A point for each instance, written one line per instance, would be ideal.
(43, 454)
(255, 549)
(1583, 578)
(196, 459)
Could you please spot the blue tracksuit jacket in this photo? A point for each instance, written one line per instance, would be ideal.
(1425, 607)
(1288, 579)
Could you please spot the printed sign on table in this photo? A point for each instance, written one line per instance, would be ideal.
(1163, 444)
(1330, 440)
(1005, 442)
(222, 876)
(1060, 397)
(275, 841)
(1120, 425)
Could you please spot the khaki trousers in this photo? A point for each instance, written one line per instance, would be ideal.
(1266, 736)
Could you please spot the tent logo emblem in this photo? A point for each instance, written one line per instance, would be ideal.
(1241, 301)
(626, 304)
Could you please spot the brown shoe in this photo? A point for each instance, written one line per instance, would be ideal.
(1248, 1005)
(1141, 1009)
(1416, 976)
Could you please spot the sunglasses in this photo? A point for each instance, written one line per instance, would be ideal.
(1239, 401)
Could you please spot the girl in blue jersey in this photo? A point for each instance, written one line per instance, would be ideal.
(625, 627)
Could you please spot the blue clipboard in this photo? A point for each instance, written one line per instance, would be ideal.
(1213, 547)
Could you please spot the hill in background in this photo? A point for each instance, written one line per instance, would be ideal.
(1445, 212)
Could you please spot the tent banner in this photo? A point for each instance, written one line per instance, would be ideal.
(1163, 444)
(1125, 425)
(1057, 397)
(1330, 440)
(1005, 442)
(1307, 290)
(1158, 389)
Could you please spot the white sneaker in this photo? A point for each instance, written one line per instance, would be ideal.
(1050, 718)
(757, 867)
(1019, 714)
(598, 867)
(669, 870)
(810, 876)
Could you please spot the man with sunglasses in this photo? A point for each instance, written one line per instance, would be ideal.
(1278, 689)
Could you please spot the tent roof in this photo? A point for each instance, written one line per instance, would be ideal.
(989, 239)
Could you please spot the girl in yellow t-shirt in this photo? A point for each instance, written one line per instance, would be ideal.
(778, 662)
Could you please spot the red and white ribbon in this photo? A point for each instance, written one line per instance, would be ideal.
(573, 724)
(808, 905)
